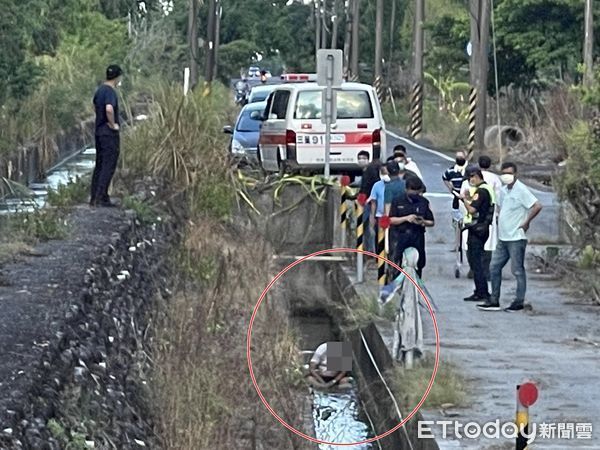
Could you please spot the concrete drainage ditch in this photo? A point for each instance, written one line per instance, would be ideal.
(314, 295)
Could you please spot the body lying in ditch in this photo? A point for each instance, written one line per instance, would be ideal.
(330, 366)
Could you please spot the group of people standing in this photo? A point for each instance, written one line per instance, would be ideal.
(395, 189)
(495, 212)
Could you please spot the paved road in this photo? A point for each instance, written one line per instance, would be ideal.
(497, 351)
(432, 163)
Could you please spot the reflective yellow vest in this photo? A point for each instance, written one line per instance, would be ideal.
(472, 190)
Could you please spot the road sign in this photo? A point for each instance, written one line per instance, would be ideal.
(469, 48)
(329, 74)
(328, 59)
(528, 394)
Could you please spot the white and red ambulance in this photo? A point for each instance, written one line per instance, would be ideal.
(292, 136)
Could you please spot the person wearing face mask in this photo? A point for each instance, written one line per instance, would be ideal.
(481, 208)
(410, 214)
(409, 165)
(377, 198)
(369, 177)
(518, 207)
(466, 192)
(106, 104)
(453, 179)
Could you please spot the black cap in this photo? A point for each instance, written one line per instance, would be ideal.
(392, 168)
(400, 149)
(472, 170)
(113, 71)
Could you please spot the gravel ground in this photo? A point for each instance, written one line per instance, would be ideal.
(37, 291)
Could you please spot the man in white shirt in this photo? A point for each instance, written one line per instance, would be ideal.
(409, 164)
(518, 207)
(493, 180)
(325, 375)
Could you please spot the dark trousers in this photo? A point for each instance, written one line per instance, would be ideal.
(476, 257)
(107, 155)
(399, 243)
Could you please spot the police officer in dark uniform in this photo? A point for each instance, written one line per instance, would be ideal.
(481, 208)
(106, 104)
(410, 214)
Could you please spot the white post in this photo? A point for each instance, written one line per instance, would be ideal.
(186, 80)
(328, 112)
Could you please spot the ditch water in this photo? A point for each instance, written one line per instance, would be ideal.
(337, 416)
(70, 169)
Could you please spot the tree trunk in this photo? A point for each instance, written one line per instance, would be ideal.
(588, 45)
(193, 42)
(210, 41)
(348, 37)
(218, 13)
(355, 36)
(335, 24)
(324, 32)
(317, 25)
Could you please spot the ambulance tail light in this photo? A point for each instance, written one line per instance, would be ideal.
(377, 143)
(290, 144)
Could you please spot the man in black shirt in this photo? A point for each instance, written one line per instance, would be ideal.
(369, 177)
(410, 214)
(106, 105)
(481, 207)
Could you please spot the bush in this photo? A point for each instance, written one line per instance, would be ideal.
(182, 144)
(69, 194)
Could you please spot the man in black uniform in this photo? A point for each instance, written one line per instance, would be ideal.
(369, 177)
(410, 214)
(106, 105)
(481, 207)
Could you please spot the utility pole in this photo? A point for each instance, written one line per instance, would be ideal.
(479, 66)
(481, 114)
(210, 43)
(355, 35)
(378, 81)
(193, 41)
(588, 44)
(348, 38)
(416, 101)
(218, 13)
(474, 9)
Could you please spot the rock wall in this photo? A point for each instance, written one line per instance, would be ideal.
(90, 384)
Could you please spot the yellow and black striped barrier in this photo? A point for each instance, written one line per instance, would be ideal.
(384, 224)
(416, 111)
(360, 228)
(378, 85)
(381, 278)
(472, 121)
(344, 209)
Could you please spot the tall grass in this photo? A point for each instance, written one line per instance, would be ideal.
(204, 396)
(410, 384)
(182, 145)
